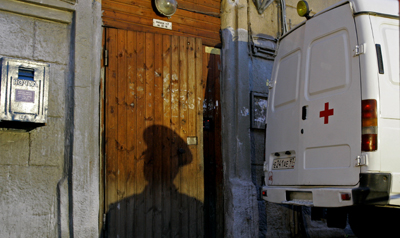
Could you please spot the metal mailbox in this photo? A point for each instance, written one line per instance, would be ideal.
(24, 91)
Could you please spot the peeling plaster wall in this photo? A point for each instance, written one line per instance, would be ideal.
(260, 72)
(241, 208)
(247, 215)
(241, 213)
(49, 177)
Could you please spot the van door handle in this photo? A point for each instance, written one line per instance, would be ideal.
(304, 113)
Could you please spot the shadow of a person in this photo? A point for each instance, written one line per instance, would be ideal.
(160, 210)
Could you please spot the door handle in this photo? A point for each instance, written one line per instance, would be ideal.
(304, 113)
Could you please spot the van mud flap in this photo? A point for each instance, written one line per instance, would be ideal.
(374, 189)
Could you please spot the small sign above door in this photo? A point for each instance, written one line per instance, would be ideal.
(162, 24)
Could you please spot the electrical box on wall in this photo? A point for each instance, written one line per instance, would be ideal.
(24, 88)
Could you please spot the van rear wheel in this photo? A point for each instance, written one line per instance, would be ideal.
(370, 221)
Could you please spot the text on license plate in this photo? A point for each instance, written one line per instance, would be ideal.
(284, 163)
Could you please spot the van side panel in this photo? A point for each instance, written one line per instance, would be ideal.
(386, 34)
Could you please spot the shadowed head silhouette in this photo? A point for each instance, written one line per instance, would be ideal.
(166, 153)
(160, 210)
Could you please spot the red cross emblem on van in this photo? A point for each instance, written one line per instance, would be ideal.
(326, 113)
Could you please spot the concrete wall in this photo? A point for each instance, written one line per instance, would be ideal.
(249, 42)
(49, 177)
(241, 209)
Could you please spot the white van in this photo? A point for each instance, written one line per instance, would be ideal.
(333, 119)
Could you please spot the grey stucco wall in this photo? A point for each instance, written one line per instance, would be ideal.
(31, 163)
(49, 177)
(85, 149)
(259, 73)
(241, 207)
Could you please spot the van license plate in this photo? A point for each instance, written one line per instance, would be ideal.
(284, 163)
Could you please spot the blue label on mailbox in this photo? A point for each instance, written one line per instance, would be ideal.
(24, 96)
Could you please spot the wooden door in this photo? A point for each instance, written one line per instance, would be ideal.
(154, 171)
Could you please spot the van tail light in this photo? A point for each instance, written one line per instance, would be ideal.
(345, 196)
(369, 140)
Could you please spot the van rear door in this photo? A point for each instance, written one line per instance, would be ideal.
(283, 111)
(327, 123)
(332, 96)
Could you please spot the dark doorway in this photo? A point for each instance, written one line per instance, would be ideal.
(213, 203)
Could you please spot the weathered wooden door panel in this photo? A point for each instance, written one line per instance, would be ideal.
(154, 185)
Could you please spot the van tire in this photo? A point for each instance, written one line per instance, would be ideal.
(370, 221)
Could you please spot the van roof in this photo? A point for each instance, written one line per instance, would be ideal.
(382, 7)
(385, 7)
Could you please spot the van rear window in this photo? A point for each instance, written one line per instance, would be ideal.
(286, 91)
(329, 64)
